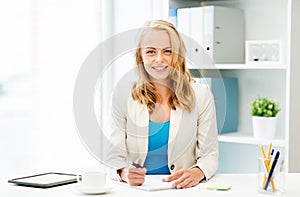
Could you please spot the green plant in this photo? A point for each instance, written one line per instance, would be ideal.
(264, 107)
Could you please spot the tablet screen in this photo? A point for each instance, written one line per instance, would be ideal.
(45, 180)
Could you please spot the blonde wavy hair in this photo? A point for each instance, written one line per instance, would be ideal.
(181, 91)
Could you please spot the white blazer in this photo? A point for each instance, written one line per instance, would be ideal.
(193, 139)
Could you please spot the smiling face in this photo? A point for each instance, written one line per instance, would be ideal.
(156, 53)
(160, 63)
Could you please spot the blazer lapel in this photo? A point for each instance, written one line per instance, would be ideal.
(175, 121)
(140, 117)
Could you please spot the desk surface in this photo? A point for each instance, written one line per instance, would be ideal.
(242, 185)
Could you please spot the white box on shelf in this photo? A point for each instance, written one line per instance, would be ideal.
(264, 51)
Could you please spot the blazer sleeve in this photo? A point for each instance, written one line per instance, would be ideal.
(115, 152)
(207, 150)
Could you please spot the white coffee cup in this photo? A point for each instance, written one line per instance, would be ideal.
(96, 179)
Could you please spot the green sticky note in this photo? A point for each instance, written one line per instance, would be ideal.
(221, 187)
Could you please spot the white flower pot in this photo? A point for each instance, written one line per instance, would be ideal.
(264, 127)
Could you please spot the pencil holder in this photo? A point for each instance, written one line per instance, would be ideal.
(271, 176)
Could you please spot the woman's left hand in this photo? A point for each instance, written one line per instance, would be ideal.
(185, 178)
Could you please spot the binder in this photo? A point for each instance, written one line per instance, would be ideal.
(225, 91)
(173, 16)
(218, 30)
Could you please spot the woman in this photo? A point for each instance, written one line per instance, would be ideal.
(164, 122)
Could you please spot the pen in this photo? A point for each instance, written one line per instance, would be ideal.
(272, 170)
(136, 165)
(271, 158)
(269, 150)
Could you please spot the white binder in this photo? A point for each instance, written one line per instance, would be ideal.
(218, 30)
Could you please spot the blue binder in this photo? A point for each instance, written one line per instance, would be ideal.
(173, 16)
(225, 91)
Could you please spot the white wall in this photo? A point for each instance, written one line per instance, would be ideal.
(50, 39)
(59, 34)
(16, 37)
(67, 31)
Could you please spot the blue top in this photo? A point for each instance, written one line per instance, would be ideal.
(157, 157)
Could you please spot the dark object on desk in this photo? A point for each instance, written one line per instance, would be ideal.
(46, 180)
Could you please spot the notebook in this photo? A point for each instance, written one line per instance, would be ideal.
(152, 183)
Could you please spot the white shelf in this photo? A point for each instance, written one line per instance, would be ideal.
(248, 139)
(245, 66)
(251, 66)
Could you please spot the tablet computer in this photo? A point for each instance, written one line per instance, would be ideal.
(45, 180)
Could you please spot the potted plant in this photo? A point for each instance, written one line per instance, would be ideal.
(264, 116)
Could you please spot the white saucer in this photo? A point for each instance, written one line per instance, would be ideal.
(89, 190)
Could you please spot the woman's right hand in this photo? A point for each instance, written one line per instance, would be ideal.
(133, 176)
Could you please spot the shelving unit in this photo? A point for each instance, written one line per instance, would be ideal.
(264, 20)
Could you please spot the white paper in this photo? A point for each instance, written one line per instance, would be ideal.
(152, 183)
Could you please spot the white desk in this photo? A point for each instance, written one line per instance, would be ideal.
(242, 185)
